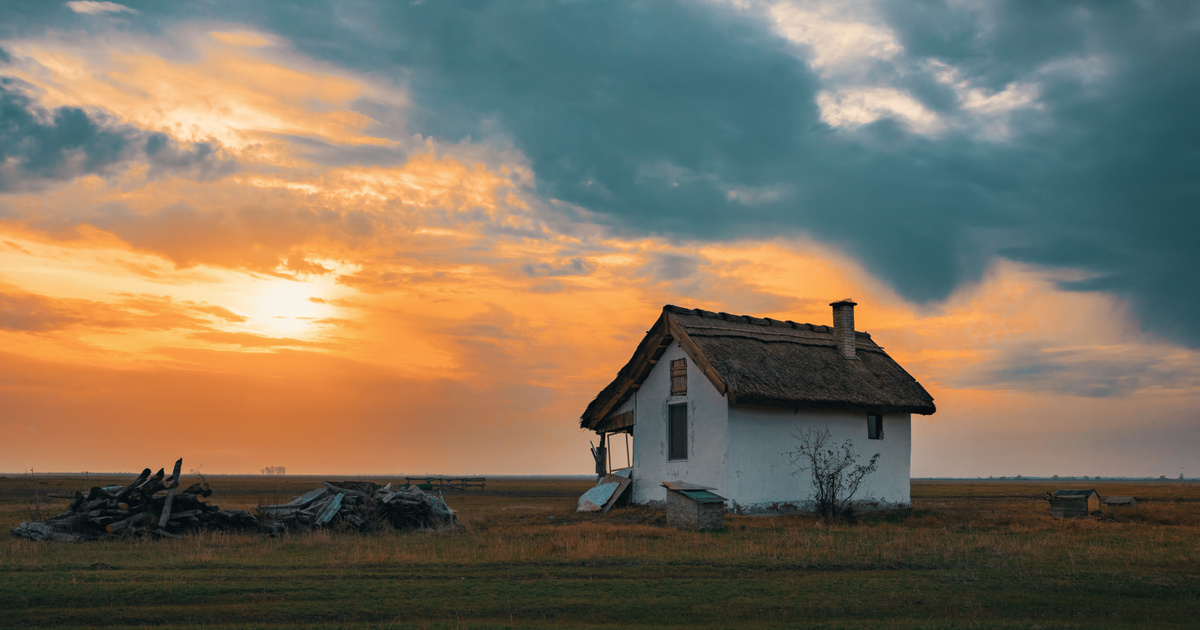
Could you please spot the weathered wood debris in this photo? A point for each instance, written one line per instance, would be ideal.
(363, 506)
(151, 505)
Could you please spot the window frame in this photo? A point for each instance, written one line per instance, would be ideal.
(875, 426)
(671, 432)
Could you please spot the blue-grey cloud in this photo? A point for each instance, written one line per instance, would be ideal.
(1104, 372)
(577, 266)
(668, 267)
(659, 116)
(38, 146)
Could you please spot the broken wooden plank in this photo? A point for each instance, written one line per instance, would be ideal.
(341, 490)
(684, 485)
(128, 523)
(593, 500)
(127, 489)
(330, 510)
(623, 484)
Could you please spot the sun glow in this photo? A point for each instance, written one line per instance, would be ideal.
(286, 308)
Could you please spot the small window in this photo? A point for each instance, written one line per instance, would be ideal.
(875, 426)
(677, 431)
(679, 377)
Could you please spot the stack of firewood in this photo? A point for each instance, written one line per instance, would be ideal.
(151, 504)
(363, 506)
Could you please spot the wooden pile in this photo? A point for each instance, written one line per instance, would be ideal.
(151, 504)
(363, 506)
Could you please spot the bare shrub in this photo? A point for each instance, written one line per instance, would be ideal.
(835, 472)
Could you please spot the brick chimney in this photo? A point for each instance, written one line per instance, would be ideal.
(843, 327)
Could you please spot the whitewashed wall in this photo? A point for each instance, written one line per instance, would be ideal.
(740, 451)
(707, 435)
(759, 473)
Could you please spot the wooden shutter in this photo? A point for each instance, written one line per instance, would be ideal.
(677, 432)
(679, 377)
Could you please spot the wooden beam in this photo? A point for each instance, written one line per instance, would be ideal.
(172, 485)
(616, 422)
(693, 351)
(656, 341)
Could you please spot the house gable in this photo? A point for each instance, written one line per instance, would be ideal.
(705, 434)
(602, 413)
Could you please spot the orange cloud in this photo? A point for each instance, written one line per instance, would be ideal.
(234, 87)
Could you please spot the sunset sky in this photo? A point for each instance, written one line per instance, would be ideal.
(418, 237)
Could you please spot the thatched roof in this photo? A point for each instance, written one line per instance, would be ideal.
(1074, 493)
(770, 363)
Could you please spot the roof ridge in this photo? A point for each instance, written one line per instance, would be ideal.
(730, 317)
(788, 337)
(766, 322)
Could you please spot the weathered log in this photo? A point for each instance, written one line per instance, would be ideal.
(173, 480)
(150, 485)
(180, 502)
(71, 521)
(153, 485)
(106, 512)
(172, 484)
(131, 487)
(128, 523)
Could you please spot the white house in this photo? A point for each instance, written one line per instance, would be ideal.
(713, 398)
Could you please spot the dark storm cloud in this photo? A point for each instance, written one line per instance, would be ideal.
(38, 145)
(659, 115)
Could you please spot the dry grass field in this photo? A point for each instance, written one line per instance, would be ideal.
(982, 554)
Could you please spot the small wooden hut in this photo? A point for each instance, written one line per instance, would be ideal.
(693, 507)
(1121, 503)
(1074, 503)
